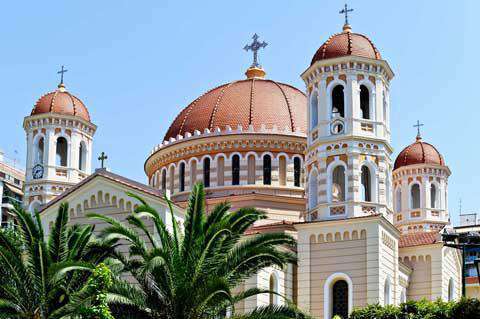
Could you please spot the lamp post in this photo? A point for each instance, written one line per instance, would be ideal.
(463, 241)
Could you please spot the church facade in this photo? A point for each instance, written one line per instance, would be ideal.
(318, 162)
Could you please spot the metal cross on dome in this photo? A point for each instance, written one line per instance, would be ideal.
(62, 71)
(255, 46)
(345, 11)
(102, 159)
(418, 126)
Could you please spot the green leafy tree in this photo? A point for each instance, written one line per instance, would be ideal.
(97, 289)
(191, 273)
(39, 274)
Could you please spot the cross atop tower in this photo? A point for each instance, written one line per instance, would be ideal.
(345, 11)
(418, 126)
(102, 159)
(62, 71)
(255, 46)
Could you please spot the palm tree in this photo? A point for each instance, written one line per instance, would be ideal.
(39, 275)
(191, 273)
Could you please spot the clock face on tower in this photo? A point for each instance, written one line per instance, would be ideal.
(37, 171)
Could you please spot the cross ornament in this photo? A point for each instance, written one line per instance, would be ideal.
(62, 71)
(345, 11)
(418, 125)
(102, 159)
(255, 46)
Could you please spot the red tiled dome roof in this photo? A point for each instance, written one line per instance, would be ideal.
(347, 43)
(253, 101)
(61, 102)
(419, 153)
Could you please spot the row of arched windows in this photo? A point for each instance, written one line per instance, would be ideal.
(415, 197)
(61, 153)
(338, 185)
(235, 172)
(338, 104)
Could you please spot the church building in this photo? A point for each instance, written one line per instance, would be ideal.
(317, 160)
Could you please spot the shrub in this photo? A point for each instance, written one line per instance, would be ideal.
(423, 309)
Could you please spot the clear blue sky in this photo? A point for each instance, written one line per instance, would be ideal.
(136, 64)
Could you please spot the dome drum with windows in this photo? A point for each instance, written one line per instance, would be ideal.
(242, 139)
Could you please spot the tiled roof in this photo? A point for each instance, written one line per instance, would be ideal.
(277, 225)
(419, 153)
(252, 101)
(61, 102)
(111, 176)
(418, 239)
(346, 43)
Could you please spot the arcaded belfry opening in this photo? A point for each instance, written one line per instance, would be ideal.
(338, 101)
(338, 184)
(39, 151)
(61, 152)
(82, 156)
(366, 184)
(365, 102)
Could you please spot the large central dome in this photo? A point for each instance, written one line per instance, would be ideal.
(253, 101)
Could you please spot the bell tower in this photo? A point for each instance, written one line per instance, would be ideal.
(348, 164)
(59, 146)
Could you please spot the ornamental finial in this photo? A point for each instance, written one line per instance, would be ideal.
(418, 126)
(61, 72)
(345, 11)
(255, 69)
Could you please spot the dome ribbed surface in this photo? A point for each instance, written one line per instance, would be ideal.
(419, 153)
(246, 102)
(61, 102)
(344, 44)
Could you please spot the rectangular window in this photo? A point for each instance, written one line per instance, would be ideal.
(415, 214)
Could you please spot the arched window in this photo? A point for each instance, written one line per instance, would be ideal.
(340, 299)
(251, 169)
(282, 171)
(366, 184)
(206, 172)
(267, 170)
(193, 173)
(415, 196)
(273, 287)
(181, 177)
(62, 150)
(433, 196)
(338, 184)
(387, 293)
(296, 171)
(398, 200)
(365, 102)
(338, 101)
(172, 179)
(235, 169)
(220, 171)
(82, 157)
(314, 110)
(451, 290)
(164, 180)
(313, 189)
(403, 296)
(39, 151)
